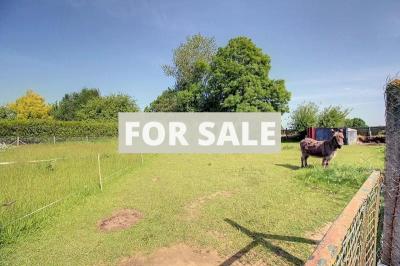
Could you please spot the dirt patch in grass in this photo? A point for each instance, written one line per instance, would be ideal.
(318, 234)
(177, 255)
(121, 219)
(193, 209)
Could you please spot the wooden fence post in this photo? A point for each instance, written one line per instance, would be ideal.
(17, 140)
(100, 180)
(54, 139)
(391, 223)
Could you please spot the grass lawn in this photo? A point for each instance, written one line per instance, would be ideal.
(218, 202)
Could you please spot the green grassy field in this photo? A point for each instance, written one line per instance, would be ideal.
(218, 202)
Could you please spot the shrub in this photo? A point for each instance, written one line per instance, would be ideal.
(64, 129)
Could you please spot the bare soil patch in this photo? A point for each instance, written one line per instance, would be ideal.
(177, 255)
(121, 219)
(193, 209)
(319, 233)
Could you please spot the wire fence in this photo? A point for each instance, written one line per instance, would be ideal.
(365, 134)
(31, 187)
(352, 239)
(6, 141)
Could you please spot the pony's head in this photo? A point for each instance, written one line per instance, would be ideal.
(338, 138)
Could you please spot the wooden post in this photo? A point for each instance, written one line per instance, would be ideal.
(87, 139)
(17, 140)
(391, 222)
(54, 139)
(100, 180)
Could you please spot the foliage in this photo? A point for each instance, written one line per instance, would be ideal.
(7, 113)
(190, 61)
(305, 116)
(355, 122)
(239, 81)
(89, 104)
(107, 108)
(30, 106)
(235, 79)
(45, 128)
(333, 116)
(67, 109)
(172, 100)
(191, 70)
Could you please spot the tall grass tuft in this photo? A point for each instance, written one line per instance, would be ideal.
(335, 177)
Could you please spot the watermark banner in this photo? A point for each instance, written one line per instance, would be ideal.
(199, 132)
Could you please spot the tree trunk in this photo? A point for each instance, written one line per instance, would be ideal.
(391, 226)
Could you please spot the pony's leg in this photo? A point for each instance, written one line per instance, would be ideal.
(305, 159)
(325, 162)
(302, 161)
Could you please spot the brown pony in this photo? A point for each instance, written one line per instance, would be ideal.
(323, 149)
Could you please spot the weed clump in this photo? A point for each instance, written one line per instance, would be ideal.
(335, 178)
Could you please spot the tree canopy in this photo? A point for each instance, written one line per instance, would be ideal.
(304, 116)
(234, 79)
(67, 109)
(333, 116)
(172, 100)
(308, 115)
(87, 104)
(107, 108)
(190, 61)
(7, 113)
(355, 122)
(191, 70)
(30, 106)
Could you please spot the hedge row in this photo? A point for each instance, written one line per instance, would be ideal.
(46, 128)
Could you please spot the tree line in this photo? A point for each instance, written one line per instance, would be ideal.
(308, 114)
(87, 104)
(207, 78)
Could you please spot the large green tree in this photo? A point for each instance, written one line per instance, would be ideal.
(305, 116)
(107, 107)
(69, 106)
(240, 81)
(191, 70)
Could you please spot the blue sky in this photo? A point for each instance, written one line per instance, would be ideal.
(329, 52)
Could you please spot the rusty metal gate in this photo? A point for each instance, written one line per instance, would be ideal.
(352, 238)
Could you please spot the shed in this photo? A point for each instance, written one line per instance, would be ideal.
(321, 134)
(350, 136)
